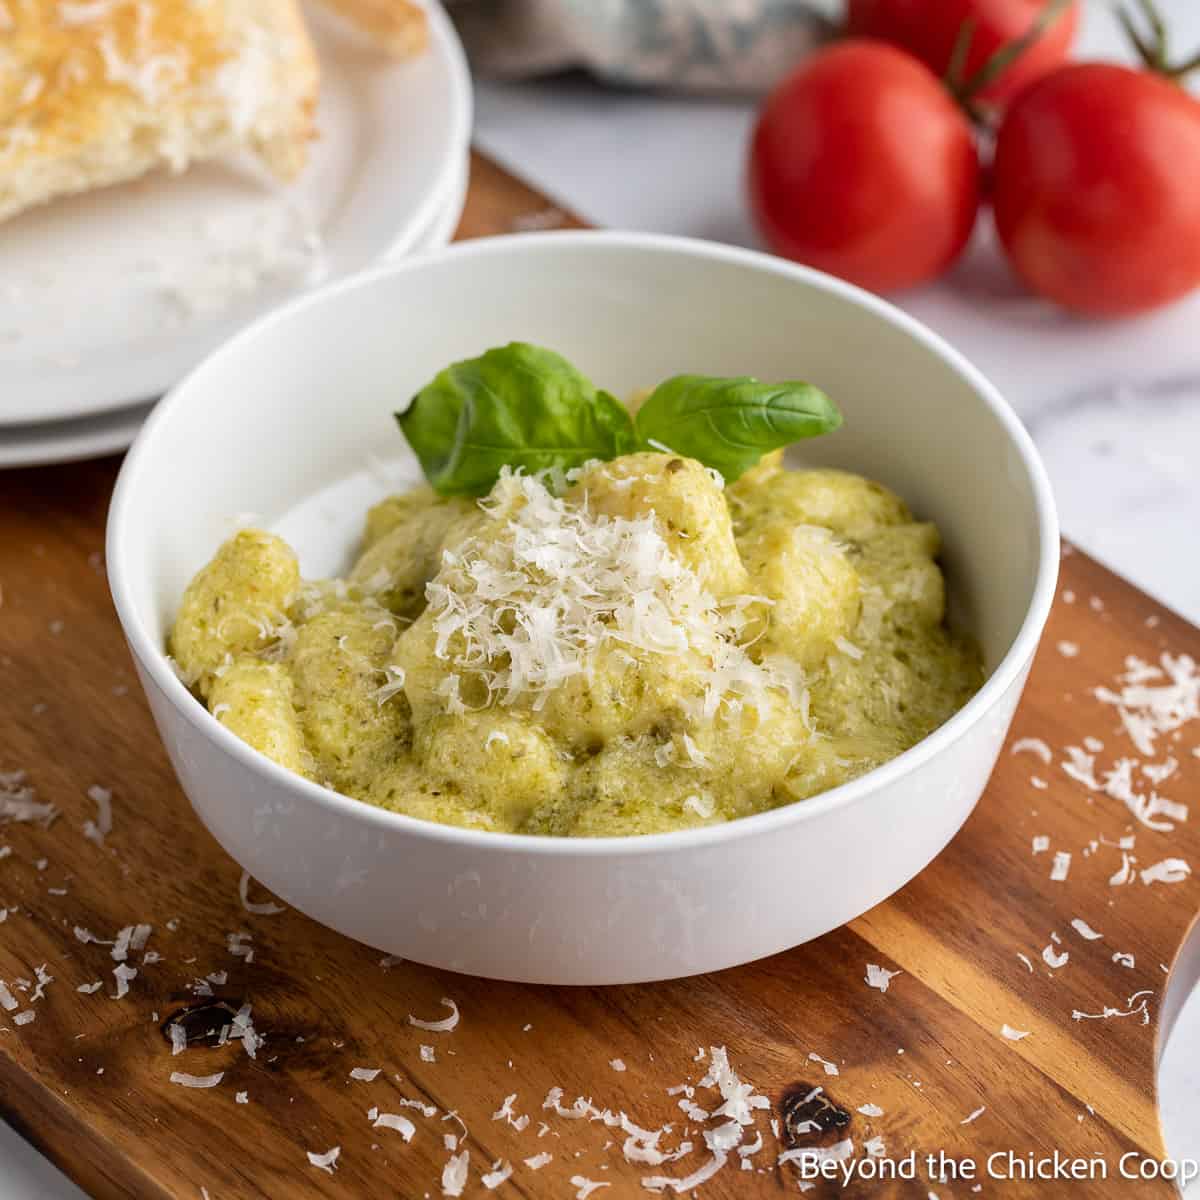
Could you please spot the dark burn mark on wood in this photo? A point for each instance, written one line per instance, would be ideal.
(808, 1115)
(202, 1021)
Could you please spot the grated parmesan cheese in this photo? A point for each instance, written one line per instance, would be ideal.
(1013, 1035)
(454, 1174)
(538, 1161)
(830, 1068)
(703, 1173)
(18, 801)
(1136, 1005)
(445, 1025)
(402, 1125)
(880, 977)
(497, 1175)
(524, 613)
(266, 909)
(325, 1162)
(586, 1186)
(123, 973)
(1170, 870)
(101, 827)
(200, 1081)
(1031, 745)
(1053, 959)
(1084, 930)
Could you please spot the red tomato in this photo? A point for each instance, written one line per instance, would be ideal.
(862, 165)
(930, 28)
(1096, 189)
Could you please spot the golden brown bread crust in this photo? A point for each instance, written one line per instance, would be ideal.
(93, 92)
(399, 26)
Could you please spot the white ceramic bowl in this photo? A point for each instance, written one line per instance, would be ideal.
(283, 422)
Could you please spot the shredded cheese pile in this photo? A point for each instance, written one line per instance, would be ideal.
(534, 608)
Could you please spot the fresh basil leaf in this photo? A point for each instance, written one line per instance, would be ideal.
(518, 406)
(730, 424)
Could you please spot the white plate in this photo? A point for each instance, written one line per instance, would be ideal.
(92, 437)
(110, 298)
(71, 441)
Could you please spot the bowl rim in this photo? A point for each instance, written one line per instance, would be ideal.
(153, 660)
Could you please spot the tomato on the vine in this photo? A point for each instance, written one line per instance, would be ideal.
(863, 165)
(1096, 188)
(931, 31)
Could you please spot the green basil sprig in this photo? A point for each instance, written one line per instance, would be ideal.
(731, 423)
(522, 406)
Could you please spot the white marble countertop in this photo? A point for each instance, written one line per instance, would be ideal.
(1115, 408)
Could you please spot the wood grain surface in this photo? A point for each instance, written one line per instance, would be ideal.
(88, 1080)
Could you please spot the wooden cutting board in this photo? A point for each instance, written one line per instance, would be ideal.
(88, 1080)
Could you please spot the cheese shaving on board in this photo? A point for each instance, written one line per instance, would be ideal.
(101, 827)
(1053, 959)
(1137, 1005)
(365, 1074)
(1013, 1035)
(1031, 745)
(967, 1120)
(1170, 870)
(1150, 712)
(18, 801)
(526, 612)
(739, 1099)
(703, 1173)
(585, 1187)
(497, 1175)
(538, 1161)
(830, 1068)
(402, 1125)
(325, 1162)
(124, 974)
(198, 1081)
(870, 1110)
(880, 977)
(1084, 930)
(445, 1025)
(265, 909)
(7, 1000)
(454, 1174)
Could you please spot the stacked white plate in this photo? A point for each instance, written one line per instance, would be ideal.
(108, 299)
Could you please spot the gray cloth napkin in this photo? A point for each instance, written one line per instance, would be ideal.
(695, 45)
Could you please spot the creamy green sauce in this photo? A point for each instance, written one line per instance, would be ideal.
(647, 651)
